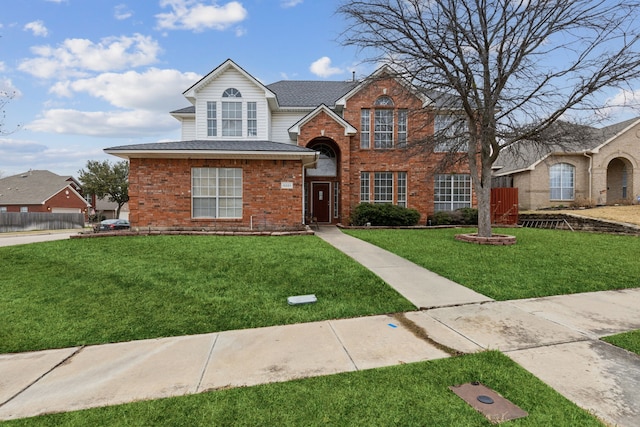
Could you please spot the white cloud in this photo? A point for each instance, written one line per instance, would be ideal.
(20, 155)
(290, 3)
(37, 28)
(122, 12)
(7, 87)
(194, 15)
(322, 68)
(153, 90)
(3, 67)
(74, 57)
(112, 124)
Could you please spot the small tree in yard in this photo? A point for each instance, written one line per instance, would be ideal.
(508, 70)
(106, 180)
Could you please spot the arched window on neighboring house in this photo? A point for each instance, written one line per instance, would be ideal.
(562, 181)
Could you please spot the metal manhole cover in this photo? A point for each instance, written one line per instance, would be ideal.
(496, 408)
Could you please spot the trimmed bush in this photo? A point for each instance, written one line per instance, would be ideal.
(383, 215)
(462, 216)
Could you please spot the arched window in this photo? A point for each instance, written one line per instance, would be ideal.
(561, 181)
(232, 93)
(384, 101)
(327, 163)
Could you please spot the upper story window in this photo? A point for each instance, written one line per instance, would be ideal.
(450, 133)
(389, 125)
(212, 119)
(384, 101)
(232, 93)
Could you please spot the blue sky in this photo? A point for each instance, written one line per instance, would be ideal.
(91, 74)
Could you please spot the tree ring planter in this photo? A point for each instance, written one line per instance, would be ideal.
(496, 239)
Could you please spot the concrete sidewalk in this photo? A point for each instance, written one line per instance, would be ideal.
(555, 338)
(421, 287)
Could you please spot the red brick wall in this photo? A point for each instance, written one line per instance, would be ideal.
(60, 200)
(420, 164)
(160, 194)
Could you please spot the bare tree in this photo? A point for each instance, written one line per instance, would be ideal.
(513, 67)
(5, 98)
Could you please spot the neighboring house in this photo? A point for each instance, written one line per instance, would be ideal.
(41, 191)
(277, 156)
(599, 166)
(102, 208)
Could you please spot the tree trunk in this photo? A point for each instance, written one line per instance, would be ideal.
(483, 194)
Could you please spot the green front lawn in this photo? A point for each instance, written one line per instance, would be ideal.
(628, 340)
(90, 291)
(542, 263)
(406, 395)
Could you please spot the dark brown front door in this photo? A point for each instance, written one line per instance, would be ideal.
(321, 208)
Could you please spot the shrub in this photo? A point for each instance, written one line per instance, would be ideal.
(462, 216)
(384, 215)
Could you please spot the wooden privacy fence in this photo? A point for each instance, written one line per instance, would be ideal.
(27, 221)
(504, 206)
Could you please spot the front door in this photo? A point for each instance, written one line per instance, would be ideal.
(321, 201)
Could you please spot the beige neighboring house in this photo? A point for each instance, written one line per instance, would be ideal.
(601, 168)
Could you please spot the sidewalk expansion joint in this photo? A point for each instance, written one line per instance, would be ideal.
(64, 361)
(422, 334)
(206, 364)
(353, 362)
(459, 304)
(552, 344)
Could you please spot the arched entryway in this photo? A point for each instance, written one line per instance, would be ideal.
(619, 182)
(322, 183)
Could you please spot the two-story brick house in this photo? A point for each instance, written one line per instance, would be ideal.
(256, 156)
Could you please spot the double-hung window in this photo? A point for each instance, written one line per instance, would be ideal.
(383, 129)
(561, 181)
(212, 119)
(383, 187)
(449, 133)
(402, 189)
(402, 128)
(231, 113)
(365, 128)
(452, 191)
(252, 119)
(216, 192)
(365, 188)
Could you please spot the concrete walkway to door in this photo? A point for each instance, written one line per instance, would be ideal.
(423, 288)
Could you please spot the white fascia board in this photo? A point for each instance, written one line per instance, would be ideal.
(191, 93)
(342, 102)
(348, 129)
(70, 189)
(597, 149)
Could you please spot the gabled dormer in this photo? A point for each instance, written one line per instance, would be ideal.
(228, 104)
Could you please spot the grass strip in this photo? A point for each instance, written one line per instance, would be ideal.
(627, 340)
(541, 263)
(414, 394)
(92, 291)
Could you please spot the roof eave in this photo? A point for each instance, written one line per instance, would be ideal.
(305, 157)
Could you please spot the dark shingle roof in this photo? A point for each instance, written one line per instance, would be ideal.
(574, 139)
(210, 145)
(297, 93)
(187, 110)
(33, 187)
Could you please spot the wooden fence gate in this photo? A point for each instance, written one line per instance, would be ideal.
(504, 206)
